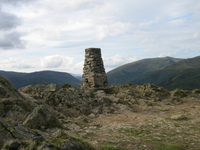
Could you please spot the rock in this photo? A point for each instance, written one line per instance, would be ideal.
(9, 132)
(70, 145)
(7, 90)
(73, 102)
(3, 92)
(22, 132)
(36, 91)
(178, 117)
(16, 113)
(5, 131)
(92, 115)
(73, 127)
(42, 117)
(13, 144)
(58, 133)
(51, 87)
(64, 144)
(13, 105)
(15, 110)
(47, 146)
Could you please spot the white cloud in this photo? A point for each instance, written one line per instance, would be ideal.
(22, 66)
(196, 35)
(113, 60)
(56, 61)
(61, 28)
(11, 40)
(52, 61)
(18, 62)
(9, 21)
(117, 60)
(34, 63)
(114, 29)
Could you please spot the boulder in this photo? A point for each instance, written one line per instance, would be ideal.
(47, 146)
(12, 144)
(42, 117)
(15, 110)
(3, 92)
(12, 134)
(70, 145)
(5, 131)
(7, 90)
(178, 117)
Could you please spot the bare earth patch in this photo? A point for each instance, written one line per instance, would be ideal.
(150, 128)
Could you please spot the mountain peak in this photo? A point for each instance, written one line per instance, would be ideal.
(40, 77)
(159, 71)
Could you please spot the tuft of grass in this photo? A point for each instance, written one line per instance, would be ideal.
(196, 91)
(181, 93)
(135, 133)
(163, 146)
(56, 141)
(107, 147)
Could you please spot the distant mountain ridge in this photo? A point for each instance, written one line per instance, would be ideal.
(184, 74)
(131, 71)
(42, 77)
(168, 72)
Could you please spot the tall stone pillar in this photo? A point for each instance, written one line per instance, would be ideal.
(94, 76)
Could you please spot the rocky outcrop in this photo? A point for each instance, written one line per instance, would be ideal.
(20, 114)
(7, 90)
(13, 106)
(74, 102)
(15, 110)
(39, 91)
(17, 136)
(46, 117)
(9, 132)
(94, 76)
(42, 117)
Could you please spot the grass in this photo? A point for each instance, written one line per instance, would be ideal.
(163, 146)
(181, 93)
(56, 141)
(133, 132)
(107, 147)
(172, 135)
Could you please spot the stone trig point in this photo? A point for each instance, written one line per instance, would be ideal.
(94, 76)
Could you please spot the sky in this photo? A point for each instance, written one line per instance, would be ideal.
(40, 35)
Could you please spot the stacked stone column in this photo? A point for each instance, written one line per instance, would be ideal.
(94, 76)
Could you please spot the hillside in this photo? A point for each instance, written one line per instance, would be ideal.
(123, 117)
(184, 74)
(42, 77)
(131, 71)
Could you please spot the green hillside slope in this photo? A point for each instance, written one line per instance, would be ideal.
(42, 77)
(131, 71)
(184, 74)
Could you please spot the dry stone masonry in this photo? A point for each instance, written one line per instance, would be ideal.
(94, 76)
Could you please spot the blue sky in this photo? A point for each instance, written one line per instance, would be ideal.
(52, 35)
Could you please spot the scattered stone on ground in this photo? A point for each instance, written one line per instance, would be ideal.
(122, 117)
